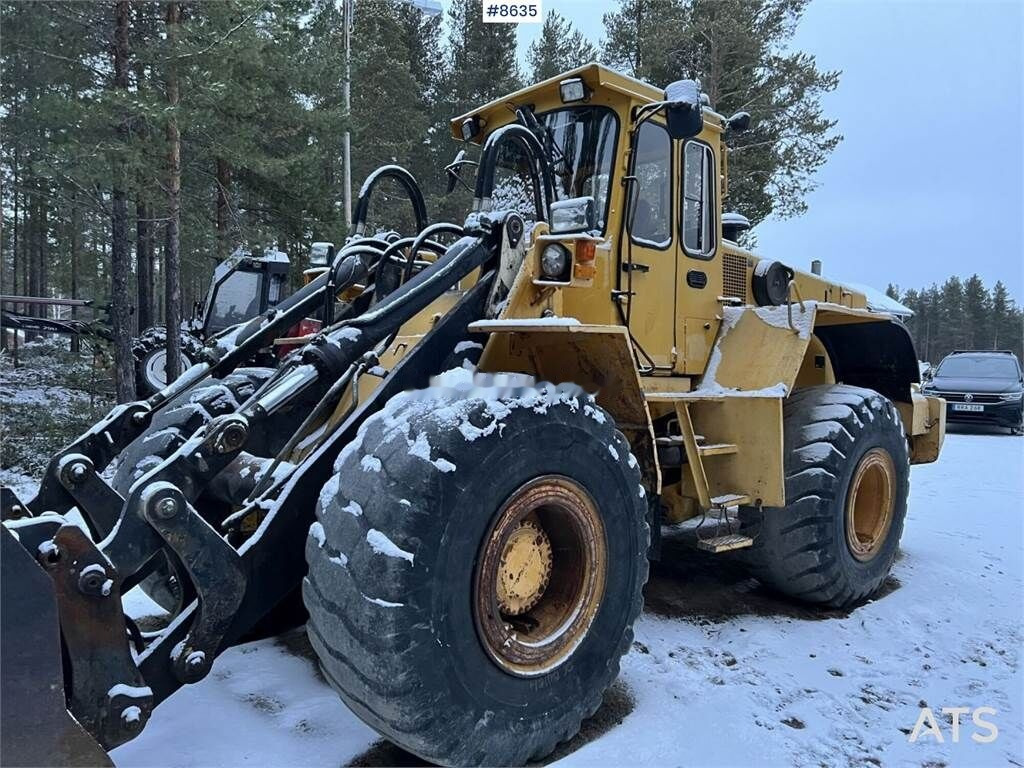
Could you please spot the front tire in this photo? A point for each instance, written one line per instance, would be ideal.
(447, 510)
(847, 475)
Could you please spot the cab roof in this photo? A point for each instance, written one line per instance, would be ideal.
(595, 76)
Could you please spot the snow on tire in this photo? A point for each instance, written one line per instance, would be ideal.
(150, 353)
(847, 474)
(395, 563)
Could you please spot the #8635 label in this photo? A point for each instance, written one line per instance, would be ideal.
(522, 12)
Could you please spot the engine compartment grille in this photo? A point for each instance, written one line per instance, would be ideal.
(734, 277)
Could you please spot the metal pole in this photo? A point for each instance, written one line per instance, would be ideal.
(347, 6)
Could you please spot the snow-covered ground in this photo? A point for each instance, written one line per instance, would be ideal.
(722, 672)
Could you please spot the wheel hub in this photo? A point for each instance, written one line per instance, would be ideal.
(524, 569)
(156, 369)
(870, 504)
(540, 576)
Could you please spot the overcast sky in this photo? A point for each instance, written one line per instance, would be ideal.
(928, 181)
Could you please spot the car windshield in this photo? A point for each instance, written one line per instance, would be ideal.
(581, 146)
(978, 367)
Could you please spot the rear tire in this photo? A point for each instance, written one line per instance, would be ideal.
(847, 475)
(397, 584)
(150, 351)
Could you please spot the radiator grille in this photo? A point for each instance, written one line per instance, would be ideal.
(734, 276)
(960, 397)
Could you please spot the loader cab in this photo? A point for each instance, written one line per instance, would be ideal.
(653, 162)
(243, 287)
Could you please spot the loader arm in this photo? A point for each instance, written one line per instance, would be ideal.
(111, 691)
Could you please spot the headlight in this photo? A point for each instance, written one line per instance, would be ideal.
(1011, 397)
(554, 260)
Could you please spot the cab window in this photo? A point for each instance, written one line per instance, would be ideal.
(651, 220)
(698, 212)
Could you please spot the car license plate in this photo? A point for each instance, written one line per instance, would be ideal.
(971, 407)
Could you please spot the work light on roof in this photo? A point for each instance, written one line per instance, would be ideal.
(573, 89)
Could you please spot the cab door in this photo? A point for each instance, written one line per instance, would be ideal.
(699, 281)
(649, 263)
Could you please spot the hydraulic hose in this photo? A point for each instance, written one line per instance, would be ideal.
(406, 180)
(397, 245)
(540, 169)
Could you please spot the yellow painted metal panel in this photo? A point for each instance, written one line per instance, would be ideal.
(754, 426)
(752, 354)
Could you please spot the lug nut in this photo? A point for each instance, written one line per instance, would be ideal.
(166, 508)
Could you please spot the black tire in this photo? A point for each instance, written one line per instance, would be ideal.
(396, 638)
(802, 549)
(150, 347)
(170, 428)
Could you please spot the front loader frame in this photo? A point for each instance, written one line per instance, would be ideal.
(111, 687)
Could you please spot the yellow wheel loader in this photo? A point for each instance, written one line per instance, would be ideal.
(462, 474)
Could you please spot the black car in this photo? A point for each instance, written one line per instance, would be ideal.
(980, 388)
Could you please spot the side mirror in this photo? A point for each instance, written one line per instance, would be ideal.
(577, 214)
(683, 115)
(454, 171)
(739, 122)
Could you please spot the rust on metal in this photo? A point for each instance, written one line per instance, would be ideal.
(541, 576)
(869, 505)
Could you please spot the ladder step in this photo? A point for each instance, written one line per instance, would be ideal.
(675, 439)
(730, 500)
(717, 449)
(725, 543)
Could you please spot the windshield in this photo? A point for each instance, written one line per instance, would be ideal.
(237, 299)
(581, 148)
(978, 367)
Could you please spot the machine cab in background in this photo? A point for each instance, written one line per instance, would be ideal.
(243, 287)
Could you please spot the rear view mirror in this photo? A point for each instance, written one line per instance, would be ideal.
(739, 122)
(454, 171)
(683, 115)
(576, 214)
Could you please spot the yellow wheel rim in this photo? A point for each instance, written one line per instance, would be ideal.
(869, 504)
(540, 577)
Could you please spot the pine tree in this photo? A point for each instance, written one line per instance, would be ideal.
(951, 312)
(739, 51)
(640, 35)
(1007, 321)
(977, 308)
(1002, 314)
(120, 260)
(482, 61)
(559, 48)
